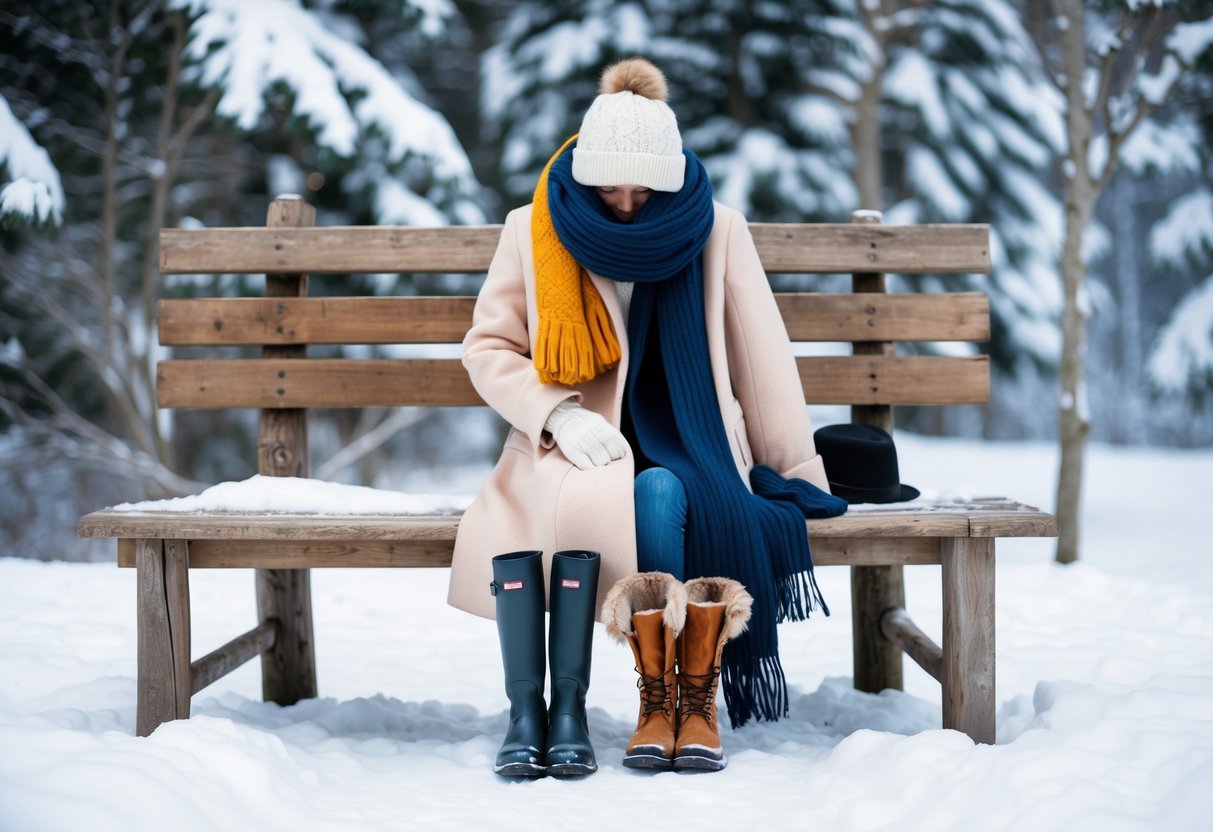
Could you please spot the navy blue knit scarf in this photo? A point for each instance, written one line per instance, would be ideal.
(756, 538)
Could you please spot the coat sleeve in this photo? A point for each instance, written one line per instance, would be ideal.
(762, 368)
(497, 348)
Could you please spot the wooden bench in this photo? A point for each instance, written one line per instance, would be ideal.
(283, 383)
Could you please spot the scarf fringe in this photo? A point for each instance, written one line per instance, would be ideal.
(753, 686)
(575, 341)
(799, 596)
(574, 352)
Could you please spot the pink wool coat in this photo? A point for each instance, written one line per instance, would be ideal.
(535, 498)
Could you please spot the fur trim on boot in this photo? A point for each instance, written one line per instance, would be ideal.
(647, 611)
(718, 609)
(644, 592)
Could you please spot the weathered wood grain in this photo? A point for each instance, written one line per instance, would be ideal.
(794, 248)
(156, 694)
(438, 382)
(877, 663)
(391, 320)
(943, 520)
(319, 554)
(900, 629)
(952, 316)
(895, 380)
(945, 316)
(1021, 522)
(842, 248)
(223, 660)
(177, 594)
(968, 637)
(340, 320)
(284, 597)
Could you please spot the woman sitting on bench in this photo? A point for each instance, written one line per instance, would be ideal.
(627, 331)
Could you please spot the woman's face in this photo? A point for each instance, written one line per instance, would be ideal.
(623, 200)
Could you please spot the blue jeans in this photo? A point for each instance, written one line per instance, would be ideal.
(661, 520)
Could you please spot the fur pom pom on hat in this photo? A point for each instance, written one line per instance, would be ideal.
(630, 136)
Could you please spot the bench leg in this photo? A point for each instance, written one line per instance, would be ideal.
(968, 636)
(877, 661)
(164, 686)
(288, 669)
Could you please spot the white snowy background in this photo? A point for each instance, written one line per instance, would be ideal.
(1104, 690)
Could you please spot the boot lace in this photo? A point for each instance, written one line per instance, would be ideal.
(653, 692)
(697, 693)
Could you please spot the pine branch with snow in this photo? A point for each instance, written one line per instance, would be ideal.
(33, 191)
(405, 157)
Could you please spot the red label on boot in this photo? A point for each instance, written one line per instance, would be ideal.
(508, 585)
(569, 583)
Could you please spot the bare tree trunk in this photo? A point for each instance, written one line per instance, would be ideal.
(170, 147)
(1074, 423)
(865, 131)
(1128, 278)
(109, 175)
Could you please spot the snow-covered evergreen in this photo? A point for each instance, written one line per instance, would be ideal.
(407, 161)
(970, 129)
(759, 91)
(31, 191)
(1182, 359)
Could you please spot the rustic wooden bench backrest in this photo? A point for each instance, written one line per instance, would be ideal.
(286, 321)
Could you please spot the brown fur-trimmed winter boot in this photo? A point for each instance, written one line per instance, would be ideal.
(647, 611)
(718, 610)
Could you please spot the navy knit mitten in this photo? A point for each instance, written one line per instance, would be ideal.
(815, 503)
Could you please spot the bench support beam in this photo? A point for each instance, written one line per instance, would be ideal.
(163, 686)
(968, 636)
(284, 596)
(877, 661)
(223, 660)
(899, 628)
(284, 601)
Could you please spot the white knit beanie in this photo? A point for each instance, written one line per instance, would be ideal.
(630, 136)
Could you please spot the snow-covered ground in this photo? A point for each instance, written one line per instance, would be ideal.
(1105, 691)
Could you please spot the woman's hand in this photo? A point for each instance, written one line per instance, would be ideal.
(585, 437)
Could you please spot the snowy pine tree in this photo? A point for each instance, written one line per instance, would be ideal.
(123, 97)
(969, 129)
(403, 159)
(1181, 361)
(758, 90)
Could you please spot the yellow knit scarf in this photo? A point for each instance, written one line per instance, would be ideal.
(576, 341)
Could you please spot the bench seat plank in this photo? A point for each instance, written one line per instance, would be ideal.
(933, 520)
(903, 534)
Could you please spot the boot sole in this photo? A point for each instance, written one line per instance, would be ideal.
(520, 770)
(699, 764)
(571, 769)
(651, 762)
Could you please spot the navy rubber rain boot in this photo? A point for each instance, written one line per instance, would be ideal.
(572, 598)
(518, 588)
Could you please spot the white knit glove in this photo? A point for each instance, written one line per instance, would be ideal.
(583, 436)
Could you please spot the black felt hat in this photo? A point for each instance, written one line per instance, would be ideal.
(861, 464)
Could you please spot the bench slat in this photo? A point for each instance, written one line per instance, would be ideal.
(903, 520)
(952, 316)
(784, 248)
(337, 382)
